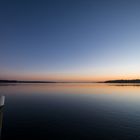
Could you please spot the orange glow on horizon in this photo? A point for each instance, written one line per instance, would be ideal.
(69, 77)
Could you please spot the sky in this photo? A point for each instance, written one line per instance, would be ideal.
(69, 40)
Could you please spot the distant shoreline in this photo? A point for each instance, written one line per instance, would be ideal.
(16, 81)
(109, 81)
(22, 81)
(123, 81)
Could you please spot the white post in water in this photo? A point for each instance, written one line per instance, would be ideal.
(2, 100)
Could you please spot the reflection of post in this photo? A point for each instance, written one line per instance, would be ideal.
(1, 116)
(2, 99)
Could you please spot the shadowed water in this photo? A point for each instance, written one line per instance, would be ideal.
(71, 111)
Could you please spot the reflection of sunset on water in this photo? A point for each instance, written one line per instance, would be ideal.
(68, 103)
(118, 91)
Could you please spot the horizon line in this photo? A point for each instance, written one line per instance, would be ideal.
(48, 81)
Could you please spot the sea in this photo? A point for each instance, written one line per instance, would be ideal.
(70, 111)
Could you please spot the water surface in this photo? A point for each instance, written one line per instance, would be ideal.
(71, 111)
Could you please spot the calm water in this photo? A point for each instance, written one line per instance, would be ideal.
(71, 111)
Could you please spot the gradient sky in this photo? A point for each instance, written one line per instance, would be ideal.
(67, 40)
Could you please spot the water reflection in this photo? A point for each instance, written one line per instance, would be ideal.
(71, 111)
(125, 84)
(1, 118)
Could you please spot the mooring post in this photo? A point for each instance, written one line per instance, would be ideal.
(2, 100)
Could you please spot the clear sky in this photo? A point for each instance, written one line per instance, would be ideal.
(68, 40)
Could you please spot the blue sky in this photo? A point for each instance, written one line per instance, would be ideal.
(69, 39)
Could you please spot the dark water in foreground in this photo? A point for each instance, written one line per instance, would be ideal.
(71, 112)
